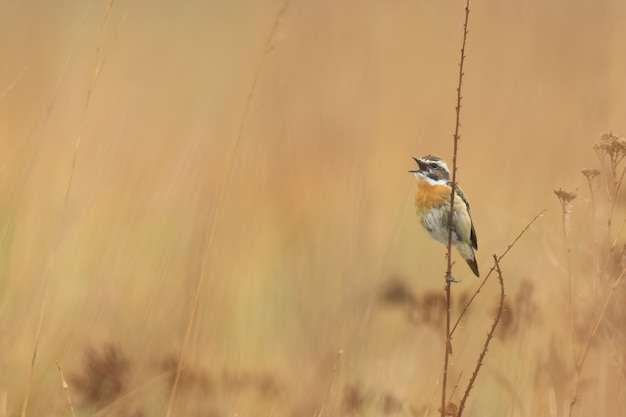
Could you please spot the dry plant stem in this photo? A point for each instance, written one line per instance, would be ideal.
(581, 361)
(449, 278)
(619, 232)
(13, 83)
(617, 185)
(593, 200)
(494, 325)
(330, 384)
(257, 73)
(209, 243)
(612, 190)
(57, 240)
(66, 389)
(448, 349)
(456, 385)
(570, 302)
(570, 297)
(600, 317)
(482, 284)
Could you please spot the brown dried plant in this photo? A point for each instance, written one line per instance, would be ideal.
(104, 376)
(611, 151)
(447, 407)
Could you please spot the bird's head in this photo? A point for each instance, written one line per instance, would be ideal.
(431, 168)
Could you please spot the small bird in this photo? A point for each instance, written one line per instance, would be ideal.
(432, 203)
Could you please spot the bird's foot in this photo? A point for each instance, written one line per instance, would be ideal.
(450, 279)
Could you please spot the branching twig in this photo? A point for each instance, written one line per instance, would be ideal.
(482, 284)
(483, 352)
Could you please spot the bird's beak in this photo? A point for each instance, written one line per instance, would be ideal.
(419, 165)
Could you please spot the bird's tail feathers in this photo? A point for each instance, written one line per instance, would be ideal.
(467, 253)
(473, 266)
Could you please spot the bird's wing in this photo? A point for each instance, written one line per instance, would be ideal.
(473, 238)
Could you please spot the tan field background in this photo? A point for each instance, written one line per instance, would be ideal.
(303, 223)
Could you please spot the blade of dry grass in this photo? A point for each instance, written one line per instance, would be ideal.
(59, 232)
(13, 83)
(66, 389)
(219, 204)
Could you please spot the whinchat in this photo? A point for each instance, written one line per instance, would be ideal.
(432, 202)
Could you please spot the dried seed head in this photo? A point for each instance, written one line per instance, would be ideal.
(565, 197)
(612, 146)
(590, 173)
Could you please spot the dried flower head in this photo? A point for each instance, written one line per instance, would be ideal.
(611, 146)
(590, 173)
(566, 197)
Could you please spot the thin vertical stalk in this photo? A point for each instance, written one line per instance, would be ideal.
(449, 278)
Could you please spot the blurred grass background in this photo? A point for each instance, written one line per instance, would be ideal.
(317, 216)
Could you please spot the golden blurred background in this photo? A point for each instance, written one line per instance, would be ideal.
(267, 144)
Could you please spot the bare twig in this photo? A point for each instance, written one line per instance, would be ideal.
(482, 284)
(483, 352)
(449, 278)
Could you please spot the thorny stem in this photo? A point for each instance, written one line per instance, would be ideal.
(449, 279)
(492, 331)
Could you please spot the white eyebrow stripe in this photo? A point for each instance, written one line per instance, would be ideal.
(442, 164)
(439, 162)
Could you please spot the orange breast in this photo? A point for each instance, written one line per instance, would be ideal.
(429, 195)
